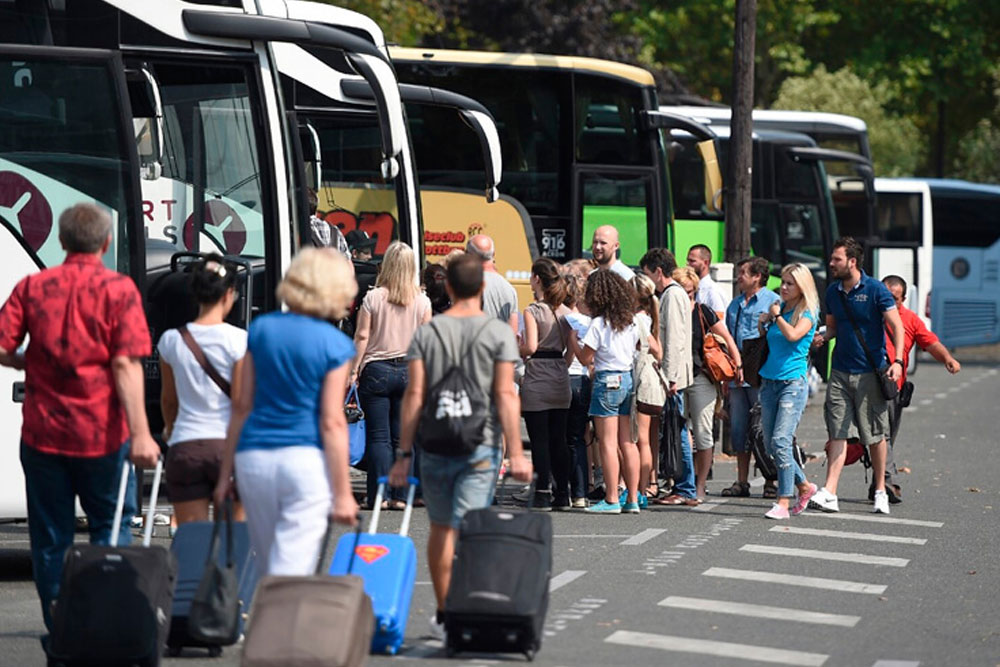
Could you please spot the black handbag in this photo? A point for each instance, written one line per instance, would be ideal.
(886, 385)
(754, 354)
(215, 608)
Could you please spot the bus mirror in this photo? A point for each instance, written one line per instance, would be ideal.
(390, 168)
(147, 121)
(713, 176)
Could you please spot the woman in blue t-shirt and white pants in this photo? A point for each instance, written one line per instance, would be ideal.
(784, 386)
(287, 439)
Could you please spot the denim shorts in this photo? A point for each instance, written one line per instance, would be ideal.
(605, 402)
(453, 485)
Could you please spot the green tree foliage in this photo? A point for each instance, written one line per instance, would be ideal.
(895, 141)
(979, 153)
(404, 22)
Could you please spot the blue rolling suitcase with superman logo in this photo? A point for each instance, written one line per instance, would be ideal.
(388, 565)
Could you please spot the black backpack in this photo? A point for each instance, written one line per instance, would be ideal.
(455, 409)
(762, 460)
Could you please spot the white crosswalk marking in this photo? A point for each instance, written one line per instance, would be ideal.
(795, 530)
(643, 537)
(714, 648)
(795, 580)
(873, 518)
(760, 611)
(862, 559)
(897, 663)
(564, 578)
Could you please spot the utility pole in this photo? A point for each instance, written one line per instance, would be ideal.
(738, 173)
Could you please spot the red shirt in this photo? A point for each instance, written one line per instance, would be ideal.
(914, 331)
(79, 316)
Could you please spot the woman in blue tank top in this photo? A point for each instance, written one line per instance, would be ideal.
(784, 387)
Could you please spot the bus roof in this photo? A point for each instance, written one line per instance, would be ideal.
(609, 68)
(954, 186)
(815, 121)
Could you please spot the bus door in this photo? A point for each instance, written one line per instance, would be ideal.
(903, 215)
(66, 137)
(209, 191)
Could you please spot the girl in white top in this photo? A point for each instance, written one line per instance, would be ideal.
(195, 409)
(610, 344)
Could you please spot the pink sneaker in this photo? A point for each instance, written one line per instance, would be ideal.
(804, 499)
(777, 512)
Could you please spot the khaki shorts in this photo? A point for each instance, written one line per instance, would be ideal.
(856, 400)
(699, 409)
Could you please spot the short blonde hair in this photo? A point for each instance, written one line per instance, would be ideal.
(685, 275)
(319, 283)
(398, 274)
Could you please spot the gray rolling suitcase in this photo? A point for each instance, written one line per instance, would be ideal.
(114, 602)
(317, 621)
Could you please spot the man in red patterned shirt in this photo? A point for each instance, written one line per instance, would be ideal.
(914, 332)
(84, 409)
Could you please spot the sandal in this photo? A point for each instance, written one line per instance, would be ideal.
(737, 490)
(397, 505)
(770, 491)
(652, 491)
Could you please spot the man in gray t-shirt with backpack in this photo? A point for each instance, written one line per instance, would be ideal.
(461, 399)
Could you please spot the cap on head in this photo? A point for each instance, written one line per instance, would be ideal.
(358, 239)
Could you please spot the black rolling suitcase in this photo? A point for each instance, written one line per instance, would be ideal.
(114, 602)
(499, 591)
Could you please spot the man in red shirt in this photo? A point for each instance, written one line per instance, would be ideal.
(914, 332)
(84, 409)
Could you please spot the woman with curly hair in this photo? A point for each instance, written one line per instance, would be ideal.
(610, 344)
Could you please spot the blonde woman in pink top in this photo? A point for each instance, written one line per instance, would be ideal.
(389, 315)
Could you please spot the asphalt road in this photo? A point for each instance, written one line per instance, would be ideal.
(721, 585)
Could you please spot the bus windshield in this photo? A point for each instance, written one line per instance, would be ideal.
(577, 150)
(61, 142)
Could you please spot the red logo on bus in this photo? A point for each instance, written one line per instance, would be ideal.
(23, 205)
(219, 214)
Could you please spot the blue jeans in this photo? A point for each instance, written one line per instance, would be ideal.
(685, 486)
(52, 483)
(781, 406)
(576, 428)
(380, 389)
(453, 485)
(741, 399)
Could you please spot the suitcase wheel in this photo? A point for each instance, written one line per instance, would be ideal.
(173, 651)
(530, 655)
(450, 652)
(214, 651)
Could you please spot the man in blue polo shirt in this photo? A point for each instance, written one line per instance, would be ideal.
(853, 395)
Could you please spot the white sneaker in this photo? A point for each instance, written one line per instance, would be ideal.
(825, 501)
(881, 503)
(436, 629)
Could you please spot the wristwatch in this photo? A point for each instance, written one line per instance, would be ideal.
(897, 361)
(404, 454)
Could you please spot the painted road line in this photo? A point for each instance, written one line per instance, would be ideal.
(846, 535)
(719, 649)
(875, 519)
(709, 506)
(592, 536)
(643, 537)
(564, 578)
(795, 580)
(760, 611)
(756, 481)
(897, 663)
(860, 559)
